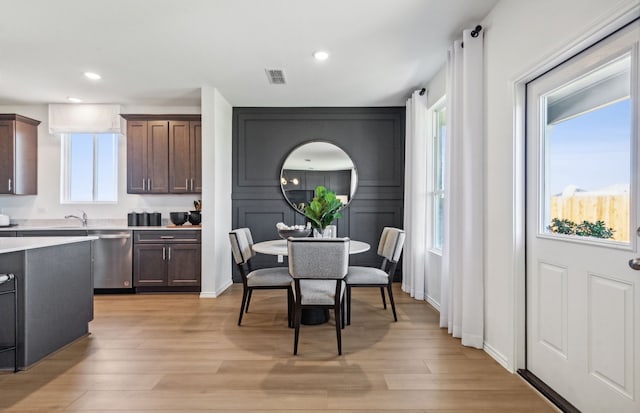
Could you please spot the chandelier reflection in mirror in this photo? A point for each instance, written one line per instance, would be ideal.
(317, 163)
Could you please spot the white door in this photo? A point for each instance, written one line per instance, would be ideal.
(583, 297)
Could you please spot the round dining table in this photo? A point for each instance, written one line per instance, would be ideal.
(279, 247)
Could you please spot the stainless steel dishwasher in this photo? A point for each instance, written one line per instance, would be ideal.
(112, 259)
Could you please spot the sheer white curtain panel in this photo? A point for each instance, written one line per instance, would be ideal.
(415, 197)
(462, 288)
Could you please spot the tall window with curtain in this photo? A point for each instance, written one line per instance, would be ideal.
(437, 192)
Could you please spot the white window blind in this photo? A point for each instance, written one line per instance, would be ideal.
(75, 118)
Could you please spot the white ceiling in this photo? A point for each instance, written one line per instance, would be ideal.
(160, 52)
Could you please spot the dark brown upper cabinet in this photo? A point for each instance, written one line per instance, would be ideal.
(18, 155)
(147, 157)
(185, 147)
(163, 154)
(195, 146)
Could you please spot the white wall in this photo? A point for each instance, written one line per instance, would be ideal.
(520, 36)
(437, 86)
(46, 204)
(216, 192)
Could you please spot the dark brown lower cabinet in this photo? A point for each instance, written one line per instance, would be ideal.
(166, 259)
(150, 265)
(183, 265)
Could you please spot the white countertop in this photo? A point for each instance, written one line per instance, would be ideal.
(12, 244)
(105, 226)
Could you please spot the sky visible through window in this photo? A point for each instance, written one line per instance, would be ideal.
(591, 151)
(85, 161)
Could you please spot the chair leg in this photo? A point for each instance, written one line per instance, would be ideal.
(244, 299)
(246, 309)
(384, 302)
(289, 308)
(338, 317)
(348, 304)
(298, 315)
(343, 312)
(393, 305)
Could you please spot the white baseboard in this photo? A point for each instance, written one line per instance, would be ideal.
(497, 356)
(433, 303)
(218, 292)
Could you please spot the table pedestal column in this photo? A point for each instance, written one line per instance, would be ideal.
(313, 316)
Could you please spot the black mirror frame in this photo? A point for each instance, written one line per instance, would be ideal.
(355, 169)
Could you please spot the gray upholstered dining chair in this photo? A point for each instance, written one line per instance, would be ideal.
(389, 248)
(260, 279)
(318, 267)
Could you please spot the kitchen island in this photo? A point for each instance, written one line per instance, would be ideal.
(54, 291)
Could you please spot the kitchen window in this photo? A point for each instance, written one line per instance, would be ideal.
(89, 168)
(437, 183)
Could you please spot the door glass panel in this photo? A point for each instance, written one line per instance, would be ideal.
(586, 162)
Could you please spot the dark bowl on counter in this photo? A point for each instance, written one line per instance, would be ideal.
(178, 218)
(296, 233)
(195, 218)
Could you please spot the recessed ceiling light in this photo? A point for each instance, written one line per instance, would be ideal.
(92, 76)
(74, 100)
(321, 55)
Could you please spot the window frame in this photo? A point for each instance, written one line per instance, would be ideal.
(436, 145)
(65, 169)
(558, 79)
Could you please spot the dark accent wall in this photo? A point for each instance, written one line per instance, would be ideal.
(373, 138)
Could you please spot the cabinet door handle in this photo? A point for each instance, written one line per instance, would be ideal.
(169, 253)
(9, 184)
(149, 184)
(144, 185)
(186, 184)
(192, 185)
(167, 237)
(114, 236)
(6, 278)
(164, 253)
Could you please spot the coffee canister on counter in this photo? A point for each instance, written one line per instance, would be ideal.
(132, 219)
(155, 219)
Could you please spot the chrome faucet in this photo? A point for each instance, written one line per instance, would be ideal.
(83, 219)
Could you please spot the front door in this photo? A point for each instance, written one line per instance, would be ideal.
(583, 296)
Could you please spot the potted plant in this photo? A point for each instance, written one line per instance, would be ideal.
(323, 209)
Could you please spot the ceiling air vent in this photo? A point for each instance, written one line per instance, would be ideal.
(276, 76)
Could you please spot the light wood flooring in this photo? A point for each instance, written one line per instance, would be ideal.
(180, 353)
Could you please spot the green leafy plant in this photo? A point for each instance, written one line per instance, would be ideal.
(323, 209)
(596, 229)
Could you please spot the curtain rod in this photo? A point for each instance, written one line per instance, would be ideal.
(474, 33)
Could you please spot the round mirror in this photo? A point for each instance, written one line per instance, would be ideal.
(317, 163)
